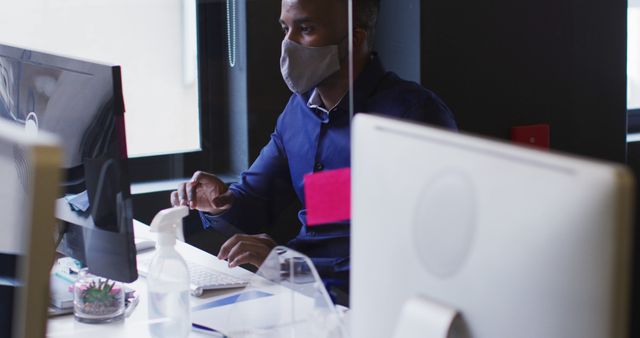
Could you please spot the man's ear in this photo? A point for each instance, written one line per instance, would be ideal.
(360, 39)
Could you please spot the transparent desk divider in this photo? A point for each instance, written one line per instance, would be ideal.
(297, 306)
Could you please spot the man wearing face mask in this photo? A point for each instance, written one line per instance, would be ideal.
(311, 135)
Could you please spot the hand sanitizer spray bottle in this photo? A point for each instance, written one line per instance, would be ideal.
(168, 279)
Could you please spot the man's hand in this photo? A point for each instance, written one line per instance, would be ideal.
(243, 249)
(204, 192)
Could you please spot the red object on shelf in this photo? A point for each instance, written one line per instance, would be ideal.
(537, 135)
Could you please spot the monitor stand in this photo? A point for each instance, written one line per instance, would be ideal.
(423, 317)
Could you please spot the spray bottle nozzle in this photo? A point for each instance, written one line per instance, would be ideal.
(166, 222)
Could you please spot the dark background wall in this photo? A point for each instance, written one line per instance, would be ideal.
(502, 63)
(398, 37)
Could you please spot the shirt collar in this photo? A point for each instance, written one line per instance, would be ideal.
(315, 102)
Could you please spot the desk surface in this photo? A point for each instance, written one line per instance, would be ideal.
(136, 324)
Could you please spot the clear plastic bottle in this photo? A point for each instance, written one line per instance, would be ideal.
(168, 280)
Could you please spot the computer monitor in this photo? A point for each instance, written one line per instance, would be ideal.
(82, 103)
(521, 242)
(29, 189)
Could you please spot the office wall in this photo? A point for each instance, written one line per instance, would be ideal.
(398, 37)
(502, 63)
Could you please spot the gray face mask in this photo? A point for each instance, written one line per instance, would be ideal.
(305, 67)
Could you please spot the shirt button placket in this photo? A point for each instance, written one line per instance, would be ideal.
(318, 166)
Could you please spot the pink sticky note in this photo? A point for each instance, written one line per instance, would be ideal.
(328, 196)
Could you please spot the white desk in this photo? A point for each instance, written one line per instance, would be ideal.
(136, 324)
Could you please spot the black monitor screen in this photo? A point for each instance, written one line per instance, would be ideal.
(82, 103)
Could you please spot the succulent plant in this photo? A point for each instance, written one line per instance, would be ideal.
(99, 292)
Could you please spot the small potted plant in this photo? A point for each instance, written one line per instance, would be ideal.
(97, 300)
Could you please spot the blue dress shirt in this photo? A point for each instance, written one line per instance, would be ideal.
(309, 139)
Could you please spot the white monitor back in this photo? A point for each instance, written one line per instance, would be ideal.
(30, 178)
(523, 243)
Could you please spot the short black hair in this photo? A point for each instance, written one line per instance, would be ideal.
(365, 16)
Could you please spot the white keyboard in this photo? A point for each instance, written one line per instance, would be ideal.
(202, 277)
